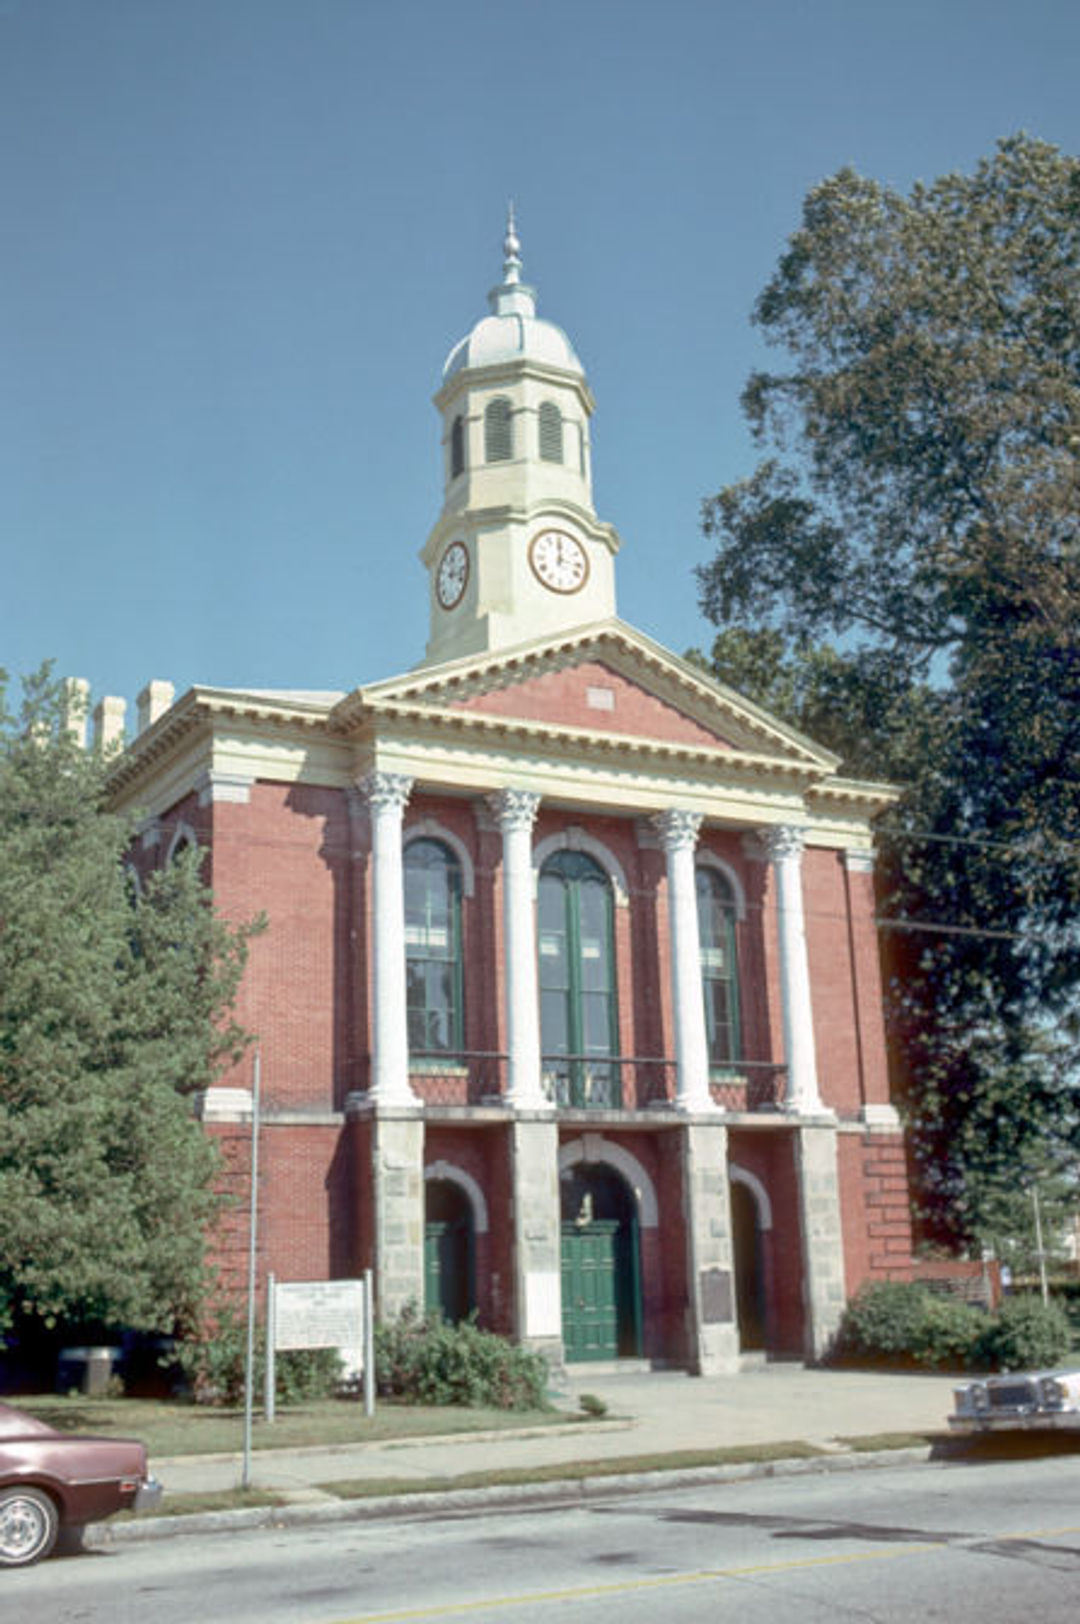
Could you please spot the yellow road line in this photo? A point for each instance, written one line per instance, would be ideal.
(757, 1570)
(624, 1587)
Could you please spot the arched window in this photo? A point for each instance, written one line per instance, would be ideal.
(498, 430)
(457, 447)
(551, 449)
(433, 948)
(578, 1017)
(719, 970)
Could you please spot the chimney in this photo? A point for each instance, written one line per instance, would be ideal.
(153, 702)
(76, 708)
(109, 723)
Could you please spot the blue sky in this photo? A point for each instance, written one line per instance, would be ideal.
(240, 236)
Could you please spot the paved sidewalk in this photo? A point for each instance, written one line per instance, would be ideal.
(650, 1413)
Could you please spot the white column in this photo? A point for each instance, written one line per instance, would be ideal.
(515, 812)
(784, 846)
(386, 795)
(678, 832)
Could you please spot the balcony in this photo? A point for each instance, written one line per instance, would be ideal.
(591, 1082)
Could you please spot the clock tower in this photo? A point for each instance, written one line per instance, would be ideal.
(518, 551)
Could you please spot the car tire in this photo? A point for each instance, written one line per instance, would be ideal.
(29, 1524)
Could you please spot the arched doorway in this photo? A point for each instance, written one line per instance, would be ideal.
(601, 1266)
(449, 1251)
(749, 1259)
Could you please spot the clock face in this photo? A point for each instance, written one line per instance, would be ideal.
(558, 560)
(453, 574)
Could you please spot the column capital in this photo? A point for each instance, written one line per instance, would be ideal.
(514, 809)
(677, 828)
(782, 840)
(386, 791)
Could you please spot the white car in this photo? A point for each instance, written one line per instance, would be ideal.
(1040, 1401)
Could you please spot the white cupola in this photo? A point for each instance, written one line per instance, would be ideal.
(517, 551)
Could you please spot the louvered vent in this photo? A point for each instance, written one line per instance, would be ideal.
(498, 430)
(551, 442)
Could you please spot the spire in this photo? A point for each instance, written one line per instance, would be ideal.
(512, 297)
(511, 248)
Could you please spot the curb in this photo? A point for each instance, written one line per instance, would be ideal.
(558, 1429)
(467, 1502)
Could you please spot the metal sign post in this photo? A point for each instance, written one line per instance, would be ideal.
(249, 1365)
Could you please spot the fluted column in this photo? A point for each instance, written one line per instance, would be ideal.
(515, 812)
(784, 846)
(386, 795)
(678, 832)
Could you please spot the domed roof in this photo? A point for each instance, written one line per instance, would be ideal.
(513, 332)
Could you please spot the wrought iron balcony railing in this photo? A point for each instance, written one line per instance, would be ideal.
(591, 1082)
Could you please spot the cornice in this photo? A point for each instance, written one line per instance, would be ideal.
(471, 522)
(416, 719)
(467, 379)
(195, 714)
(846, 794)
(631, 653)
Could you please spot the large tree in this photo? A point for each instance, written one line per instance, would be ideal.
(901, 576)
(115, 1002)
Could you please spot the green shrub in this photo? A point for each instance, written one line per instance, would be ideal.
(903, 1324)
(214, 1365)
(882, 1322)
(947, 1333)
(1024, 1334)
(432, 1362)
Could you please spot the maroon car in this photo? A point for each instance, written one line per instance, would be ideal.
(51, 1480)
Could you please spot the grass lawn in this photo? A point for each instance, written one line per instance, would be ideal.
(169, 1428)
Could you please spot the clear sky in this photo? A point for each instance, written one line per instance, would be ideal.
(240, 237)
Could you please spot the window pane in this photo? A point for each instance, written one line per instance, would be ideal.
(716, 931)
(432, 947)
(553, 1023)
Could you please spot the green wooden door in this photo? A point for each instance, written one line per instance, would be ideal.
(449, 1287)
(590, 1281)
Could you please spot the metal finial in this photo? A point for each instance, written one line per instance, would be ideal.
(511, 247)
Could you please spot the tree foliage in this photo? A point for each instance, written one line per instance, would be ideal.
(900, 576)
(115, 1004)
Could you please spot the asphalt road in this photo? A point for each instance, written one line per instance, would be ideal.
(993, 1542)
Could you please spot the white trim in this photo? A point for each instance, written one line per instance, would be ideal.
(182, 834)
(593, 1148)
(704, 858)
(217, 785)
(224, 1105)
(574, 838)
(881, 1118)
(739, 1175)
(466, 1182)
(430, 829)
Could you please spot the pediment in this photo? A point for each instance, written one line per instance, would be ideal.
(607, 680)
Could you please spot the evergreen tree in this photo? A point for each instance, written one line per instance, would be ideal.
(115, 1002)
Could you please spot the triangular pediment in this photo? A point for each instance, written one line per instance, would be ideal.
(607, 679)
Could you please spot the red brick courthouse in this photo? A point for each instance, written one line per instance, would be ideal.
(569, 1006)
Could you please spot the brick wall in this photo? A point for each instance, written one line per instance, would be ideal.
(288, 855)
(563, 698)
(875, 1207)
